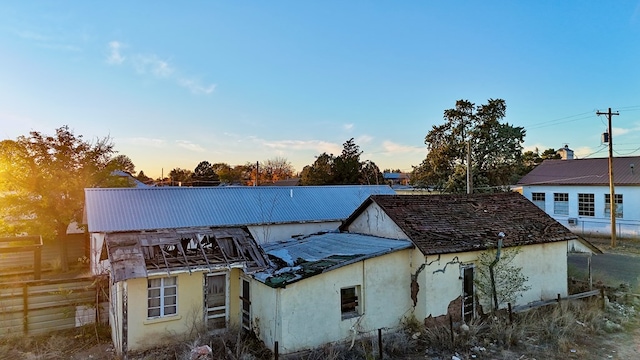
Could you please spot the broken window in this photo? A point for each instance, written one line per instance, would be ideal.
(349, 302)
(162, 297)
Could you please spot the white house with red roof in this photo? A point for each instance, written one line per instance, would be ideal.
(575, 192)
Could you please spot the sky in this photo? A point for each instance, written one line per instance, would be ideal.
(176, 83)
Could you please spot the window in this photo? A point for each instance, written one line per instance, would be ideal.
(561, 203)
(538, 199)
(586, 205)
(349, 302)
(162, 297)
(607, 205)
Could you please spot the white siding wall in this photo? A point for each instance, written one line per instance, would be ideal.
(600, 224)
(309, 310)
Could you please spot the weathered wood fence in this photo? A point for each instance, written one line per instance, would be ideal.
(50, 256)
(39, 306)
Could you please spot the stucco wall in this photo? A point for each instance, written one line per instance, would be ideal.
(143, 332)
(374, 221)
(600, 224)
(269, 233)
(545, 265)
(310, 309)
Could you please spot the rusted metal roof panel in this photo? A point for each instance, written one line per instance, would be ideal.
(132, 209)
(626, 171)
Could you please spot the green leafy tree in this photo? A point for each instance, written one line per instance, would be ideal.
(205, 175)
(124, 163)
(42, 181)
(321, 172)
(510, 282)
(347, 165)
(496, 148)
(142, 177)
(180, 176)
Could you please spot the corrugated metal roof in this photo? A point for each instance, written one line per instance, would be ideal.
(584, 172)
(131, 209)
(302, 258)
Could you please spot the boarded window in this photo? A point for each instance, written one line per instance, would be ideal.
(162, 297)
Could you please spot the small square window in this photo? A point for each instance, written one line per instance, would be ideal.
(538, 199)
(350, 302)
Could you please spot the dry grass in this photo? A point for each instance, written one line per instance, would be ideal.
(538, 333)
(57, 345)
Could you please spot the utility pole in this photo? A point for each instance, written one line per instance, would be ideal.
(469, 174)
(612, 194)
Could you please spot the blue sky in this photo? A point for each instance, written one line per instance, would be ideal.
(243, 81)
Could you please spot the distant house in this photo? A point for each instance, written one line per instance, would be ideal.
(399, 257)
(181, 256)
(575, 192)
(394, 178)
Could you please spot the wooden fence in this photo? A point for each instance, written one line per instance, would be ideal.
(51, 257)
(37, 307)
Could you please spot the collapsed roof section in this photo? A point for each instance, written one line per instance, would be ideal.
(139, 254)
(305, 257)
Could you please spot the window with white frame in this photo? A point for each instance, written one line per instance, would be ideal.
(350, 302)
(561, 203)
(538, 199)
(586, 205)
(162, 297)
(607, 205)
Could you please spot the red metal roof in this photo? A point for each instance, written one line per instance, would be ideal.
(626, 171)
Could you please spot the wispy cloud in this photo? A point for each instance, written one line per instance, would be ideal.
(363, 139)
(393, 148)
(195, 87)
(316, 145)
(154, 65)
(55, 42)
(144, 141)
(348, 127)
(185, 144)
(115, 57)
(621, 131)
